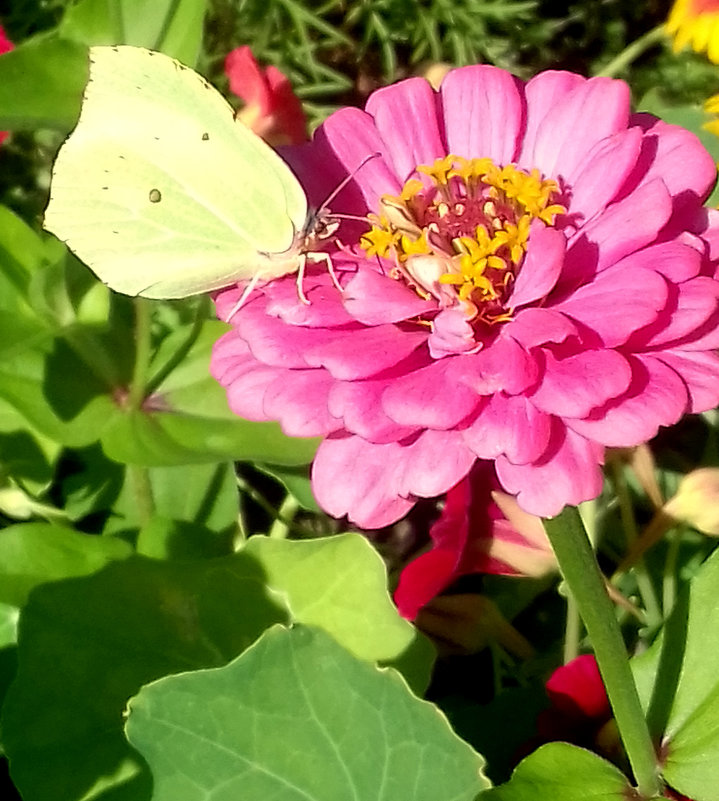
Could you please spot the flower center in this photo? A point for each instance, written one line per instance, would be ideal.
(461, 234)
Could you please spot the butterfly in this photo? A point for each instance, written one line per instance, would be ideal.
(164, 194)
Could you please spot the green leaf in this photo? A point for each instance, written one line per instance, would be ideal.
(563, 772)
(34, 553)
(22, 253)
(193, 423)
(86, 645)
(172, 26)
(196, 511)
(41, 84)
(690, 660)
(340, 585)
(298, 717)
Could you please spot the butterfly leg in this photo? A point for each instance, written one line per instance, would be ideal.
(319, 256)
(300, 279)
(252, 283)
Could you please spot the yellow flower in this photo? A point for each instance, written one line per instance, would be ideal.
(695, 22)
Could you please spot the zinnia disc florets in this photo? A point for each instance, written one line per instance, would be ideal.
(472, 217)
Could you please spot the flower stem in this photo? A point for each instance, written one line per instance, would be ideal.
(142, 354)
(584, 579)
(643, 579)
(632, 52)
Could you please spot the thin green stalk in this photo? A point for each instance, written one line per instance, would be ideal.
(644, 581)
(632, 52)
(581, 572)
(140, 476)
(670, 569)
(285, 515)
(572, 631)
(143, 342)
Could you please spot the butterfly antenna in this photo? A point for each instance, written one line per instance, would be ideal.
(343, 183)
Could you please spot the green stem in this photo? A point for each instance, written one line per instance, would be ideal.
(632, 52)
(285, 514)
(140, 476)
(143, 342)
(585, 581)
(643, 579)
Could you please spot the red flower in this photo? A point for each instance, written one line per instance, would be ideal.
(5, 47)
(271, 110)
(480, 530)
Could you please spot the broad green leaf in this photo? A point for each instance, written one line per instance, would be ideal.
(72, 412)
(86, 645)
(692, 764)
(298, 718)
(35, 553)
(41, 84)
(562, 772)
(684, 666)
(196, 508)
(22, 253)
(192, 423)
(8, 657)
(172, 26)
(340, 585)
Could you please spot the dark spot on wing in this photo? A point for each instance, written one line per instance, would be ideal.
(155, 196)
(205, 136)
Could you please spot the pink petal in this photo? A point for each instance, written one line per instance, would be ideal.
(430, 397)
(502, 365)
(568, 475)
(542, 93)
(696, 306)
(353, 477)
(299, 402)
(538, 326)
(677, 157)
(602, 175)
(373, 298)
(576, 120)
(699, 372)
(509, 425)
(621, 229)
(361, 352)
(359, 405)
(674, 260)
(619, 301)
(542, 265)
(452, 334)
(406, 117)
(434, 462)
(656, 397)
(483, 113)
(324, 310)
(270, 339)
(573, 386)
(350, 135)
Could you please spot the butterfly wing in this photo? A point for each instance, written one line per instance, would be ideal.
(160, 191)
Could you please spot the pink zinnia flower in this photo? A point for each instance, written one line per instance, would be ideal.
(480, 530)
(271, 109)
(5, 47)
(537, 283)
